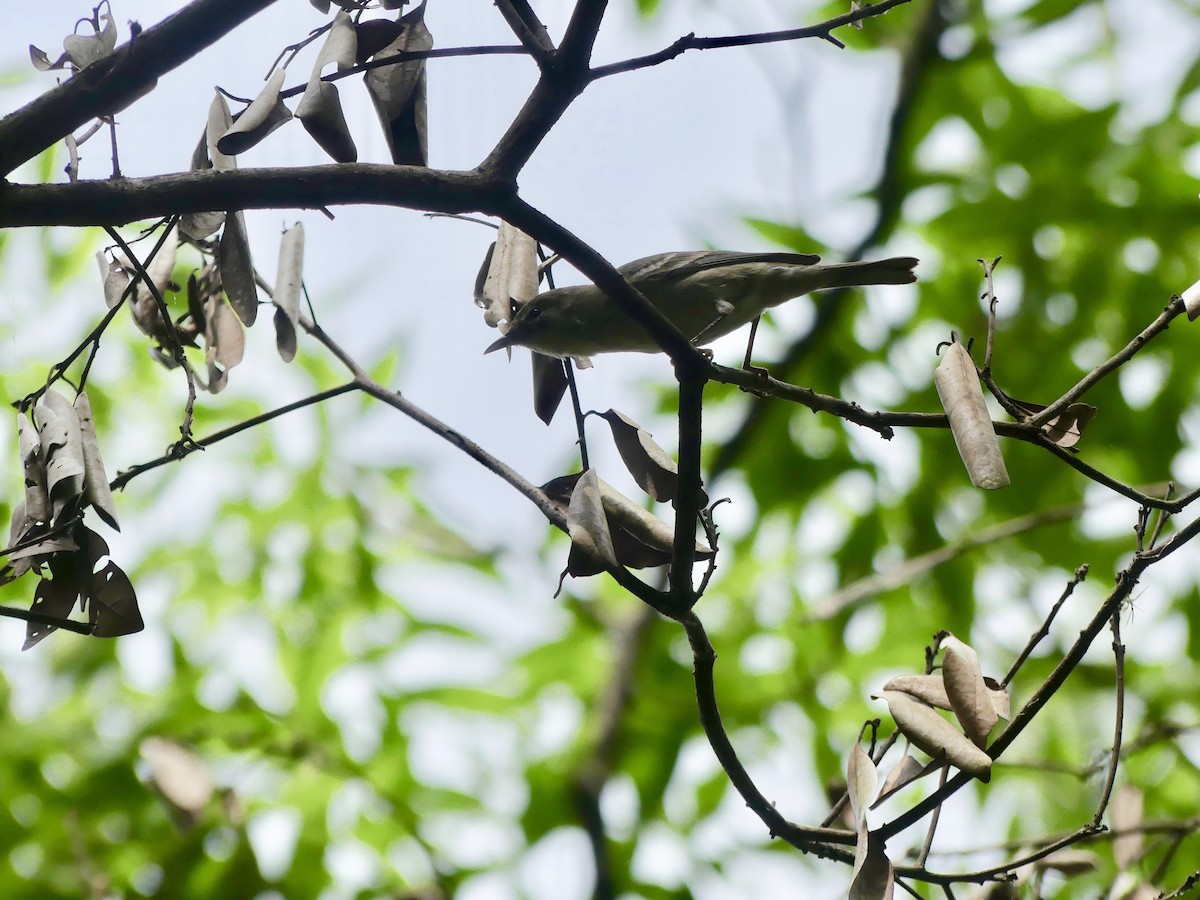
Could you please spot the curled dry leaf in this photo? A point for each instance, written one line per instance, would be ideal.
(651, 467)
(114, 609)
(398, 91)
(179, 775)
(224, 342)
(873, 877)
(220, 120)
(320, 109)
(588, 525)
(115, 279)
(320, 112)
(200, 225)
(37, 495)
(1066, 428)
(1190, 297)
(968, 693)
(641, 539)
(81, 50)
(53, 597)
(237, 268)
(902, 774)
(288, 283)
(341, 45)
(926, 729)
(62, 449)
(95, 479)
(931, 689)
(862, 780)
(974, 435)
(512, 276)
(549, 384)
(264, 114)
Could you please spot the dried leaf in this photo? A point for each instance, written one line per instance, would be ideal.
(49, 545)
(373, 35)
(54, 597)
(398, 92)
(288, 281)
(180, 776)
(237, 268)
(862, 780)
(160, 267)
(41, 61)
(931, 689)
(651, 467)
(902, 774)
(115, 277)
(1190, 297)
(962, 398)
(873, 877)
(587, 524)
(512, 276)
(341, 45)
(37, 495)
(926, 729)
(198, 226)
(640, 539)
(95, 480)
(969, 695)
(264, 114)
(62, 448)
(114, 609)
(1125, 814)
(654, 538)
(549, 384)
(1066, 428)
(219, 121)
(224, 339)
(320, 112)
(84, 50)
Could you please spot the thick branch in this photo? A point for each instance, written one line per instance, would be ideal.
(307, 187)
(112, 83)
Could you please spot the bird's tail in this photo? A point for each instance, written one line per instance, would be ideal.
(897, 270)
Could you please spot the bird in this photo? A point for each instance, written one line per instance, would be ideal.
(706, 294)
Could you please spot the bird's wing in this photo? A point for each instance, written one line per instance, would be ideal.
(678, 266)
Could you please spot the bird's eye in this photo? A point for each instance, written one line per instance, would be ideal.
(535, 313)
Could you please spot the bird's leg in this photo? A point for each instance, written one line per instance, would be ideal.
(757, 370)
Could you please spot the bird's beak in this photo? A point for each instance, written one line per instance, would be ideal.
(503, 342)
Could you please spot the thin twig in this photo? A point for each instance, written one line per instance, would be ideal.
(1119, 725)
(933, 823)
(802, 837)
(180, 450)
(1077, 579)
(691, 42)
(1173, 309)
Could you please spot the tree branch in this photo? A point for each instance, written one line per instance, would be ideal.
(303, 187)
(110, 84)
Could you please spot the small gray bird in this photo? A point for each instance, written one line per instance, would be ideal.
(705, 293)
